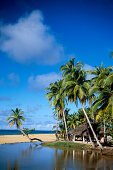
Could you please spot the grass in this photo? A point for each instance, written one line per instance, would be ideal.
(66, 144)
(76, 146)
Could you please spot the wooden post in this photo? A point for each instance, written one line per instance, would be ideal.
(83, 138)
(73, 137)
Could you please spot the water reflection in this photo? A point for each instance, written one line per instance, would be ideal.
(27, 152)
(26, 156)
(82, 160)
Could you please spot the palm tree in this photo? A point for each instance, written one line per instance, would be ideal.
(67, 68)
(73, 121)
(51, 95)
(103, 86)
(77, 89)
(17, 118)
(60, 102)
(57, 98)
(104, 105)
(70, 67)
(104, 101)
(100, 74)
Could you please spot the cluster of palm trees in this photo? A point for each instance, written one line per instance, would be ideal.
(75, 87)
(73, 120)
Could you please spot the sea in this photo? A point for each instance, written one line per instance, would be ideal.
(17, 132)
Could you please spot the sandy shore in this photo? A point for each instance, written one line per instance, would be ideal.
(20, 138)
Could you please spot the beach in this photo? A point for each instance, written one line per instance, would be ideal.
(20, 138)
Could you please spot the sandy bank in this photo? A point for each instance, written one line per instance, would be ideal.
(20, 138)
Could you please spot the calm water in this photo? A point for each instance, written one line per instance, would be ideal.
(25, 156)
(16, 132)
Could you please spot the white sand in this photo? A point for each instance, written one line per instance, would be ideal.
(20, 138)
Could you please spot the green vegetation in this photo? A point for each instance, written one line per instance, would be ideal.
(28, 131)
(57, 97)
(76, 87)
(67, 145)
(95, 96)
(17, 118)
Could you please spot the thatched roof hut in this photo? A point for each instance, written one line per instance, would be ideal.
(82, 130)
(78, 131)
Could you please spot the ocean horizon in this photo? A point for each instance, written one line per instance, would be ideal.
(17, 132)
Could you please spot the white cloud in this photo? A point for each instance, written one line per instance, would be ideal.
(30, 40)
(40, 82)
(89, 68)
(14, 79)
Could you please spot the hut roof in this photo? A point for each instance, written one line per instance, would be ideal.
(78, 131)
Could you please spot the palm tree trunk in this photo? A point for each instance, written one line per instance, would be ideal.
(27, 136)
(65, 125)
(57, 138)
(91, 127)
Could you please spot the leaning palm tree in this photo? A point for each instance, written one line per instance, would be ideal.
(17, 118)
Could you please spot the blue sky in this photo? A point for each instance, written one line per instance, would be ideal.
(36, 38)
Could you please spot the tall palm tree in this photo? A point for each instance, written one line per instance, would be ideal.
(17, 118)
(70, 67)
(77, 88)
(57, 98)
(67, 68)
(60, 102)
(51, 95)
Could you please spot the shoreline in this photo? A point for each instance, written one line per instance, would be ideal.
(48, 139)
(7, 139)
(107, 151)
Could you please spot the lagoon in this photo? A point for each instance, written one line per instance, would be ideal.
(26, 156)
